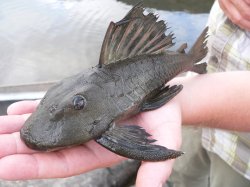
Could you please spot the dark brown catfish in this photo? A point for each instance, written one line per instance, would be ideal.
(130, 78)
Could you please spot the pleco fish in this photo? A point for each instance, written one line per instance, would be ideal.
(130, 78)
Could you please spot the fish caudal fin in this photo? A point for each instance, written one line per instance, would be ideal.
(199, 51)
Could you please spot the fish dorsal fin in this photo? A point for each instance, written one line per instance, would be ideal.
(136, 34)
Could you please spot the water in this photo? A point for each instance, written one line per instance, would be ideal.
(47, 40)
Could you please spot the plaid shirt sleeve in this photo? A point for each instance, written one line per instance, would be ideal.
(229, 50)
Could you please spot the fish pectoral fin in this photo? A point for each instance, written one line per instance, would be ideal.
(161, 98)
(200, 68)
(134, 142)
(136, 34)
(182, 48)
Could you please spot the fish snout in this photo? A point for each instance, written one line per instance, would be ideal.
(29, 140)
(36, 133)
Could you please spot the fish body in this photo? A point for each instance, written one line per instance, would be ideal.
(130, 78)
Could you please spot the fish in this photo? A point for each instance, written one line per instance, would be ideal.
(134, 67)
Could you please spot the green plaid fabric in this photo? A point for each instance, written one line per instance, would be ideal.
(229, 50)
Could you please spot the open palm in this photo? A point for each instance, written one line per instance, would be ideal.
(18, 162)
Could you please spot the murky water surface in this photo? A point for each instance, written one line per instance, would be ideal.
(47, 40)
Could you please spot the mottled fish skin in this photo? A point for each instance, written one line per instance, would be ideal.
(133, 69)
(137, 79)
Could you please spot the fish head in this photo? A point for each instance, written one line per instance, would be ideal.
(69, 114)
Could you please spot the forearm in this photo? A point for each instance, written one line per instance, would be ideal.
(220, 100)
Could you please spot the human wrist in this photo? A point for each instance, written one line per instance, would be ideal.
(186, 100)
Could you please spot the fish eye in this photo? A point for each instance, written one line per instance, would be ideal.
(79, 102)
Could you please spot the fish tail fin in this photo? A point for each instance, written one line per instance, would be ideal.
(199, 51)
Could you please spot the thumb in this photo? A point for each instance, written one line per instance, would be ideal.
(154, 173)
(167, 130)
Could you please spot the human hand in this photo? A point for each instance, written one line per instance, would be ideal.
(237, 11)
(19, 162)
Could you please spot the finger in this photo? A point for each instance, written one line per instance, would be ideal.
(147, 175)
(243, 8)
(245, 24)
(154, 173)
(22, 107)
(247, 2)
(230, 10)
(234, 15)
(166, 132)
(11, 144)
(56, 164)
(13, 123)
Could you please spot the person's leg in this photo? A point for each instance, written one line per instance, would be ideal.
(221, 174)
(193, 168)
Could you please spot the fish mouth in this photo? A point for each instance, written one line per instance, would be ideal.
(34, 144)
(30, 142)
(39, 136)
